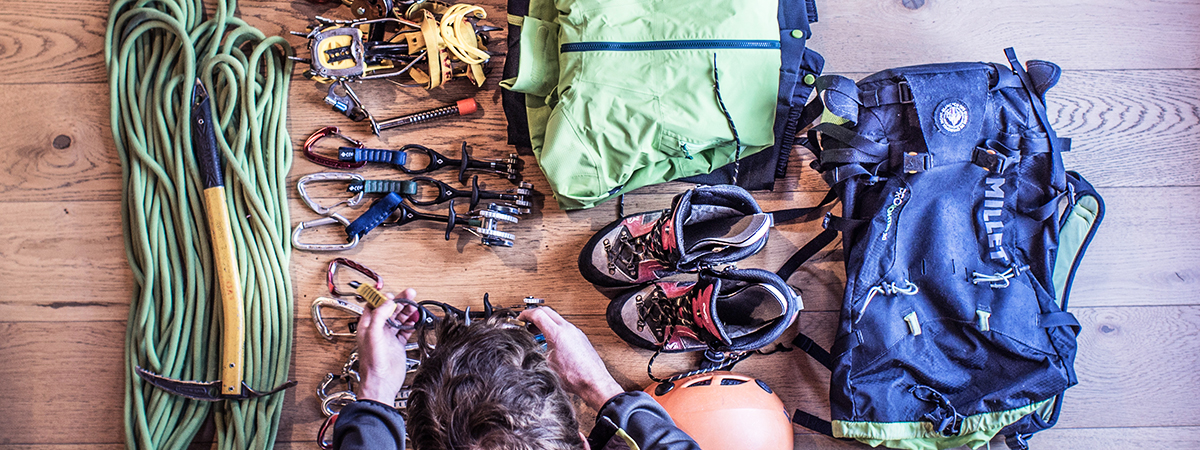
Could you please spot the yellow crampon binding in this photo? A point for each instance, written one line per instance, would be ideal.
(447, 38)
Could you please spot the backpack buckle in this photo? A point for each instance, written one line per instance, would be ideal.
(914, 162)
(992, 161)
(904, 92)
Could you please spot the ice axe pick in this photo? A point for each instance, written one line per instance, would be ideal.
(233, 326)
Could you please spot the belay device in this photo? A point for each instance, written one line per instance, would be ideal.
(961, 234)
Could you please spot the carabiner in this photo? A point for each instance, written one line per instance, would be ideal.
(329, 176)
(337, 400)
(330, 379)
(332, 272)
(335, 303)
(325, 160)
(327, 430)
(331, 219)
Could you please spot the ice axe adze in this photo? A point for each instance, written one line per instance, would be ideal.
(233, 327)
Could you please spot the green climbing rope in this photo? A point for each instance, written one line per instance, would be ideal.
(155, 49)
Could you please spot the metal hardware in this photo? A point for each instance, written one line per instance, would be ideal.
(328, 176)
(484, 223)
(509, 168)
(327, 161)
(333, 404)
(519, 198)
(331, 219)
(335, 303)
(338, 263)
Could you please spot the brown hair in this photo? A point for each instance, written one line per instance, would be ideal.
(486, 386)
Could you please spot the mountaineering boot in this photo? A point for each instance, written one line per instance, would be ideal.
(705, 226)
(732, 310)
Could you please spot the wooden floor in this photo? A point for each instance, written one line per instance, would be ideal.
(1130, 97)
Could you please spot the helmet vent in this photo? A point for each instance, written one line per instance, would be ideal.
(700, 383)
(731, 382)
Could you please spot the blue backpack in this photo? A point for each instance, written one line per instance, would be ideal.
(961, 231)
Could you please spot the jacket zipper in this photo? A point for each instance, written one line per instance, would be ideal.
(699, 44)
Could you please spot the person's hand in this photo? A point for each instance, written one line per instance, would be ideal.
(573, 357)
(382, 361)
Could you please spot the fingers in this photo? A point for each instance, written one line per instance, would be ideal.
(545, 318)
(380, 315)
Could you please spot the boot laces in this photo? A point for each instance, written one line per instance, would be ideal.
(658, 311)
(631, 251)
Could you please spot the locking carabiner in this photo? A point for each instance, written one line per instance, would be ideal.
(331, 219)
(325, 160)
(335, 303)
(338, 263)
(328, 176)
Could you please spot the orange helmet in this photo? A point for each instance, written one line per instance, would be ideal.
(726, 411)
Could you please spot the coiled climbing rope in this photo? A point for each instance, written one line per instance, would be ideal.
(155, 49)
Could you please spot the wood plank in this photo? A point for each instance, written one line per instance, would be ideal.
(1141, 256)
(1118, 438)
(62, 41)
(64, 246)
(862, 35)
(1145, 438)
(1121, 135)
(1137, 368)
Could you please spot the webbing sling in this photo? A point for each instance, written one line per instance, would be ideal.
(154, 52)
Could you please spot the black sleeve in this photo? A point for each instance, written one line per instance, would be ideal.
(367, 424)
(641, 422)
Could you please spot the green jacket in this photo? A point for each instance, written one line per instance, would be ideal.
(622, 95)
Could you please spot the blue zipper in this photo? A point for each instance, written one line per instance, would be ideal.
(700, 44)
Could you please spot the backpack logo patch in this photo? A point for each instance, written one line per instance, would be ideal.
(952, 116)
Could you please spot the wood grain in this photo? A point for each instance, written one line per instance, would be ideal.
(1154, 266)
(1137, 368)
(1146, 438)
(1143, 134)
(1128, 98)
(61, 41)
(871, 35)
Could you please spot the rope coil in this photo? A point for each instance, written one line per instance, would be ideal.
(154, 51)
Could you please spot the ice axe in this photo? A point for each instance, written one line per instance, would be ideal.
(233, 326)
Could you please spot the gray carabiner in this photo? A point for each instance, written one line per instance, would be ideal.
(328, 176)
(337, 400)
(330, 378)
(336, 303)
(331, 219)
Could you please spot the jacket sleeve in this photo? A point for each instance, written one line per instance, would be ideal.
(641, 422)
(367, 424)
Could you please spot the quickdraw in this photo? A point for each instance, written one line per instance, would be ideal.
(357, 155)
(483, 223)
(414, 190)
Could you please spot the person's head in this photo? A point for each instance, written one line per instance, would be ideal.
(486, 386)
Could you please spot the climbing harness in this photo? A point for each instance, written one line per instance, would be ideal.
(409, 157)
(154, 52)
(484, 223)
(519, 198)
